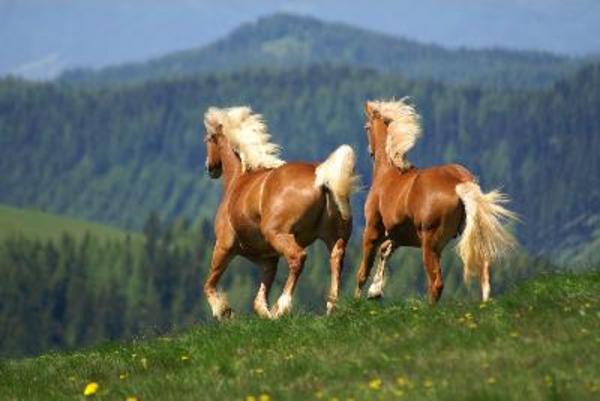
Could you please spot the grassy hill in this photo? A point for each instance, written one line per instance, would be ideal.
(286, 41)
(539, 342)
(37, 224)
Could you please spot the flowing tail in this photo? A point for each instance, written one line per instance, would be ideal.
(337, 174)
(485, 237)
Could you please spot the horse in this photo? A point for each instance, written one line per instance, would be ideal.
(425, 207)
(270, 208)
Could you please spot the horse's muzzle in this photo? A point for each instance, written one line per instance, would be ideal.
(214, 171)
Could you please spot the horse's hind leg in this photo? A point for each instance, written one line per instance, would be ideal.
(484, 279)
(336, 261)
(218, 302)
(295, 256)
(261, 302)
(431, 260)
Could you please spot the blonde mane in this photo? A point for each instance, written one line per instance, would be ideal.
(247, 134)
(404, 129)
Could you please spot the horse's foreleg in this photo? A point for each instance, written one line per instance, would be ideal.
(336, 261)
(431, 260)
(218, 301)
(295, 256)
(371, 239)
(376, 288)
(261, 302)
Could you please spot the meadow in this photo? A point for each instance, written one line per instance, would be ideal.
(537, 342)
(38, 224)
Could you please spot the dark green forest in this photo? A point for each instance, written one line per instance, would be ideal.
(285, 41)
(123, 146)
(114, 155)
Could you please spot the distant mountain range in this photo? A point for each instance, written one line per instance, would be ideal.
(285, 41)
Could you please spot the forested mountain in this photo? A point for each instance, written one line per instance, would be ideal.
(287, 41)
(114, 155)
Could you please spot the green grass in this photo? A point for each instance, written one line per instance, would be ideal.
(538, 342)
(37, 224)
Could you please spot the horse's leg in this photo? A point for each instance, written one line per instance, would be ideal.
(484, 279)
(295, 256)
(261, 302)
(431, 260)
(376, 288)
(218, 302)
(336, 261)
(372, 237)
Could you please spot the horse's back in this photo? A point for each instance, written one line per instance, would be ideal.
(433, 200)
(290, 200)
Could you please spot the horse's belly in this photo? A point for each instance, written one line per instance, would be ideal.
(251, 241)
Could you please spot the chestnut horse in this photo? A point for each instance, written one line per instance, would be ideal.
(426, 208)
(271, 208)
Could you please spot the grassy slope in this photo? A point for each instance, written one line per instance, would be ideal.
(540, 342)
(34, 223)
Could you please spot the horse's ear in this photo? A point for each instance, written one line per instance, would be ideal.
(219, 129)
(368, 108)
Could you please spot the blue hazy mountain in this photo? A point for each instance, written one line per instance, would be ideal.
(40, 38)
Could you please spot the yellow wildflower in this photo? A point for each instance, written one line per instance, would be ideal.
(131, 398)
(372, 312)
(468, 316)
(428, 383)
(375, 384)
(264, 397)
(250, 398)
(402, 381)
(514, 334)
(319, 394)
(123, 376)
(185, 358)
(472, 325)
(491, 380)
(144, 363)
(90, 389)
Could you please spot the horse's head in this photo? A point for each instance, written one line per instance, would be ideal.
(375, 127)
(213, 163)
(214, 140)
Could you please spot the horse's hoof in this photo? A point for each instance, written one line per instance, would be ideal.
(226, 314)
(374, 295)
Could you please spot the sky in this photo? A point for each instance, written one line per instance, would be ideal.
(40, 38)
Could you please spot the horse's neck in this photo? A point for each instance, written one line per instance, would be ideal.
(232, 167)
(381, 164)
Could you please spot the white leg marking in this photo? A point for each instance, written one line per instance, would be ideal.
(260, 302)
(330, 307)
(283, 306)
(220, 306)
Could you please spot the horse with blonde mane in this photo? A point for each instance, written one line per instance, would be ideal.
(426, 208)
(271, 208)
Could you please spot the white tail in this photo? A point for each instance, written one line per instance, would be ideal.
(337, 174)
(485, 237)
